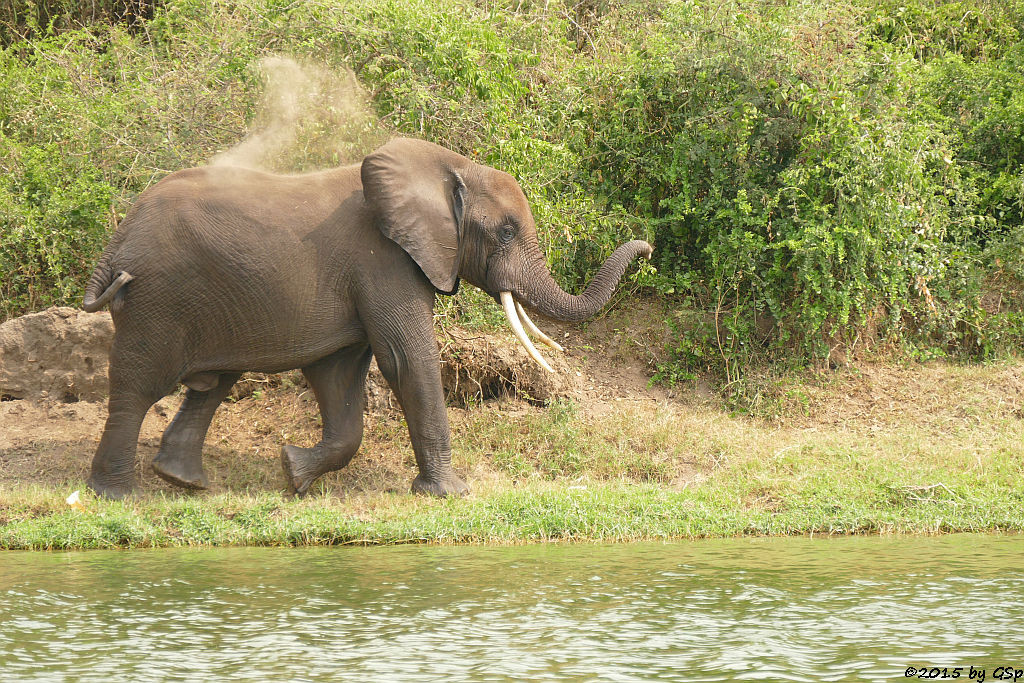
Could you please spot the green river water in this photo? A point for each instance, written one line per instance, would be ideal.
(799, 609)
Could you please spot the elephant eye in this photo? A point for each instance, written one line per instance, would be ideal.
(506, 233)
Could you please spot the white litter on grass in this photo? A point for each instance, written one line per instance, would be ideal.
(74, 501)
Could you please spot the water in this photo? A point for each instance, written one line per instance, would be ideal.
(740, 609)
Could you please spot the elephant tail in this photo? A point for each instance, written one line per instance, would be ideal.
(104, 286)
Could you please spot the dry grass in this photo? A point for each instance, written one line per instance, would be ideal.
(893, 413)
(876, 447)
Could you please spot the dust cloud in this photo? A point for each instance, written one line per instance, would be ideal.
(309, 117)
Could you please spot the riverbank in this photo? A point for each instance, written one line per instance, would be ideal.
(877, 448)
(535, 513)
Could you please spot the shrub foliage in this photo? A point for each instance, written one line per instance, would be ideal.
(816, 177)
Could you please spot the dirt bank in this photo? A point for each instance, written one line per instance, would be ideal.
(599, 408)
(53, 384)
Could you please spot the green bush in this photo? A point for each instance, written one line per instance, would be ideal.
(61, 208)
(801, 175)
(20, 19)
(90, 118)
(814, 177)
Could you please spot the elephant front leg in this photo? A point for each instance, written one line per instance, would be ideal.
(180, 458)
(408, 359)
(338, 381)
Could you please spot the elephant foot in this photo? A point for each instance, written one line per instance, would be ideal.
(447, 485)
(302, 466)
(110, 490)
(186, 472)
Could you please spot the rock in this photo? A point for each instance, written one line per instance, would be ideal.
(59, 354)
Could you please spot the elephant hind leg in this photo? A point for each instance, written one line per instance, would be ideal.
(180, 458)
(113, 466)
(135, 385)
(338, 381)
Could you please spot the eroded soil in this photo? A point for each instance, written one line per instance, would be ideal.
(604, 373)
(50, 437)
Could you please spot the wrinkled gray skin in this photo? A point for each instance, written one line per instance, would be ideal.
(215, 271)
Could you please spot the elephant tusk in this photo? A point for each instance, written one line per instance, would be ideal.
(508, 304)
(534, 330)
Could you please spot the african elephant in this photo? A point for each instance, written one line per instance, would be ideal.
(215, 271)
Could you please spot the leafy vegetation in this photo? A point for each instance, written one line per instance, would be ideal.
(816, 177)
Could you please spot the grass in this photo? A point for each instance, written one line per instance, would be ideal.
(534, 513)
(864, 452)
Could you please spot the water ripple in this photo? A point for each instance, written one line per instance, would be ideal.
(741, 609)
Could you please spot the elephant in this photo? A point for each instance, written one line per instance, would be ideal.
(219, 270)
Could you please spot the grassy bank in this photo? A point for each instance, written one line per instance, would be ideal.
(823, 183)
(535, 513)
(927, 449)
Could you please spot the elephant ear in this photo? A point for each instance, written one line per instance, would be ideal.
(419, 196)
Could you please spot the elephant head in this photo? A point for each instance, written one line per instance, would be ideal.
(459, 219)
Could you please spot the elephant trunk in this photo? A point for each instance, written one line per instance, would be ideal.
(544, 295)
